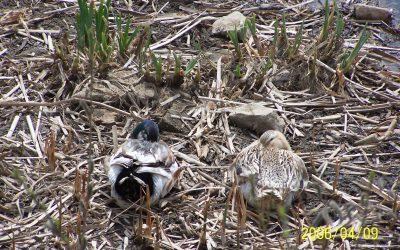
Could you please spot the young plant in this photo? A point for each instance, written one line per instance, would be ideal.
(124, 39)
(143, 47)
(157, 64)
(104, 46)
(177, 66)
(274, 48)
(283, 33)
(178, 77)
(95, 39)
(348, 60)
(190, 66)
(237, 72)
(250, 23)
(84, 20)
(280, 41)
(243, 33)
(328, 20)
(292, 50)
(233, 35)
(339, 24)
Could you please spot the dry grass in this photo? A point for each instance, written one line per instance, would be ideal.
(59, 123)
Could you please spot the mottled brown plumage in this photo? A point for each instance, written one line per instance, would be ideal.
(268, 169)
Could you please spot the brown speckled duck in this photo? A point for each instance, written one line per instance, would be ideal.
(268, 170)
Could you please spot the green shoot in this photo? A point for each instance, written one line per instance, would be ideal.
(124, 39)
(197, 45)
(339, 23)
(101, 20)
(96, 39)
(328, 20)
(292, 50)
(284, 220)
(143, 46)
(371, 176)
(276, 27)
(178, 65)
(54, 226)
(243, 33)
(275, 39)
(324, 33)
(105, 47)
(84, 20)
(157, 64)
(298, 39)
(190, 66)
(250, 23)
(284, 34)
(348, 60)
(237, 72)
(233, 35)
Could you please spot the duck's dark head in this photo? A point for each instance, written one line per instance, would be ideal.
(146, 130)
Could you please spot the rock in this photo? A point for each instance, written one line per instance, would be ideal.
(101, 91)
(174, 124)
(104, 116)
(146, 94)
(214, 56)
(256, 117)
(281, 79)
(228, 23)
(367, 12)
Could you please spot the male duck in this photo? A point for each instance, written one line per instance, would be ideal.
(269, 172)
(142, 160)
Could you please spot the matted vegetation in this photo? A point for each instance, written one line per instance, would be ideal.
(75, 78)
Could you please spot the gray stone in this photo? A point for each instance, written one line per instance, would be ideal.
(228, 23)
(146, 94)
(169, 121)
(256, 117)
(281, 79)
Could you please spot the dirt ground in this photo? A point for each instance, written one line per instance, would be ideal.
(58, 122)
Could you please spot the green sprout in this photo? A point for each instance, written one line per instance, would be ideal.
(292, 50)
(275, 39)
(104, 43)
(328, 20)
(233, 35)
(348, 60)
(250, 23)
(143, 47)
(97, 39)
(84, 19)
(178, 65)
(190, 66)
(339, 23)
(237, 72)
(124, 39)
(157, 64)
(283, 33)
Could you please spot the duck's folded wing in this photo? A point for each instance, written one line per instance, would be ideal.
(148, 155)
(298, 177)
(247, 162)
(287, 173)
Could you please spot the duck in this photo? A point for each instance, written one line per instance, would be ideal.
(142, 161)
(268, 172)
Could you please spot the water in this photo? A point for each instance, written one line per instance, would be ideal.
(393, 41)
(395, 5)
